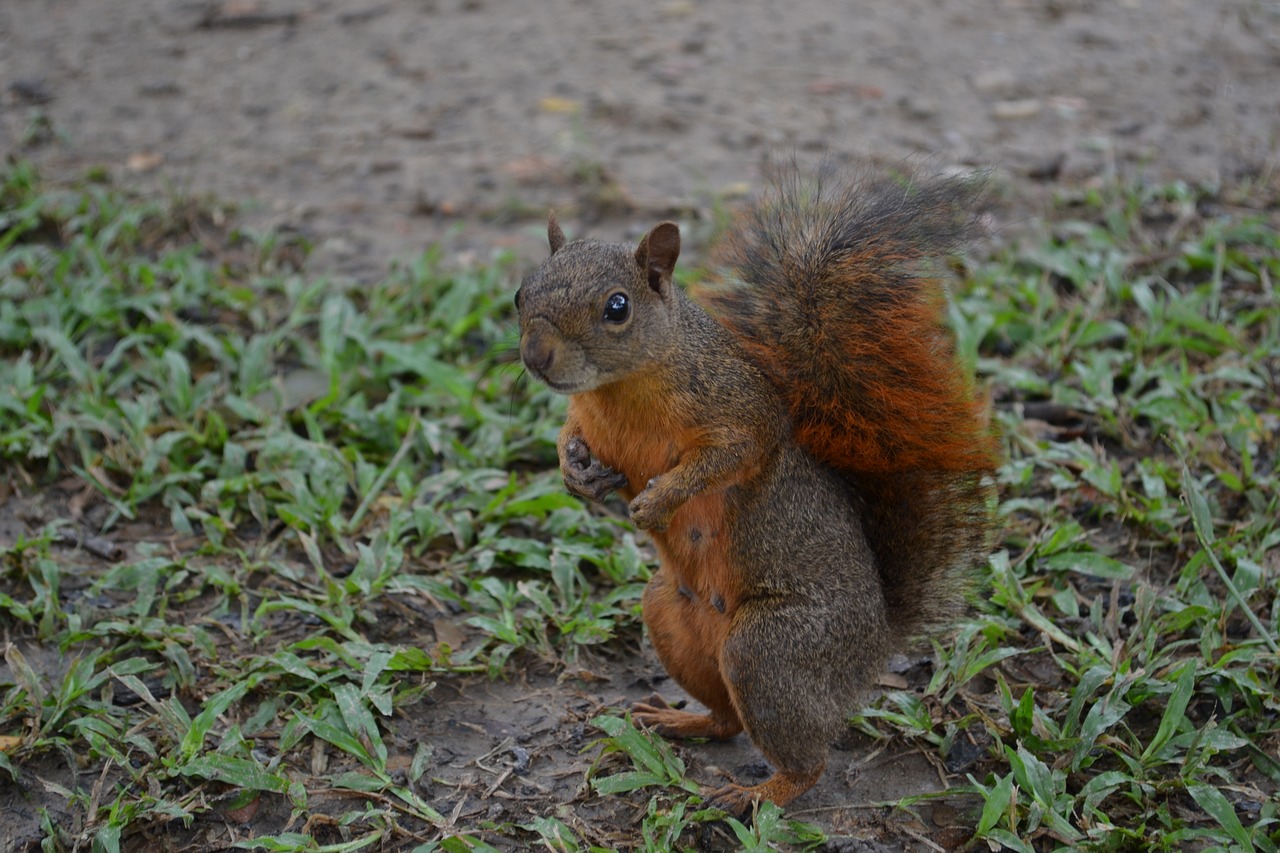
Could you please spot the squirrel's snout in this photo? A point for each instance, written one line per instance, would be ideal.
(538, 353)
(552, 358)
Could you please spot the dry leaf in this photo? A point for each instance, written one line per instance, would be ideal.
(560, 105)
(244, 813)
(893, 680)
(449, 633)
(144, 161)
(234, 8)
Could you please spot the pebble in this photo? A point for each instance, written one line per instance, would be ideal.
(1047, 168)
(1068, 106)
(31, 91)
(1018, 109)
(999, 81)
(918, 108)
(144, 161)
(159, 89)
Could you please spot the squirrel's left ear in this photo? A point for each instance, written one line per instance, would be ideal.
(657, 254)
(555, 236)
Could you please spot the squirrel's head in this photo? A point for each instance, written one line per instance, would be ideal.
(595, 312)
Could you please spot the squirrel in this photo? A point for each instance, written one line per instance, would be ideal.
(811, 460)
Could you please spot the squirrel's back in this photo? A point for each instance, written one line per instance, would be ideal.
(835, 299)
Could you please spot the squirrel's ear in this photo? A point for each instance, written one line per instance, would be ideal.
(554, 235)
(657, 254)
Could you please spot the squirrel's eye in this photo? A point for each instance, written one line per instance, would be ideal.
(617, 309)
(518, 298)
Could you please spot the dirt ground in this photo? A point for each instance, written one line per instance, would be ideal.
(377, 128)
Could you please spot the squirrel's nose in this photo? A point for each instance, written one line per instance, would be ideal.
(537, 353)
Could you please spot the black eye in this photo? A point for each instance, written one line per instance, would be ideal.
(518, 298)
(617, 308)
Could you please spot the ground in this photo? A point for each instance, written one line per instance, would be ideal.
(377, 128)
(373, 130)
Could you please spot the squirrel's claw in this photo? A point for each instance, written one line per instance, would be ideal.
(647, 513)
(595, 482)
(736, 800)
(576, 454)
(586, 477)
(671, 722)
(655, 702)
(780, 788)
(654, 711)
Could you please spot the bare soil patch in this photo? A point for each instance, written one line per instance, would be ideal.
(377, 128)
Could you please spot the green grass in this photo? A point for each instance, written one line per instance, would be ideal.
(1139, 581)
(297, 458)
(304, 450)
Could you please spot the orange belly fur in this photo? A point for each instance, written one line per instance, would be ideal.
(643, 442)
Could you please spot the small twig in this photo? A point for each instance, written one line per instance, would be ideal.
(1204, 534)
(817, 810)
(380, 483)
(217, 19)
(503, 746)
(1235, 593)
(99, 546)
(922, 839)
(506, 774)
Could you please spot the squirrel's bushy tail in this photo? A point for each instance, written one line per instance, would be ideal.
(836, 300)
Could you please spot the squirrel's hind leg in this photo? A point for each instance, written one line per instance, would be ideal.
(686, 637)
(793, 675)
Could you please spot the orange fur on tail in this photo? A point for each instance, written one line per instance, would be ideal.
(834, 299)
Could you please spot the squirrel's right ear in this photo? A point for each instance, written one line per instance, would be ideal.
(657, 254)
(554, 235)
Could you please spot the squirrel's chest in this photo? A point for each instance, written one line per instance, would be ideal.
(643, 444)
(640, 441)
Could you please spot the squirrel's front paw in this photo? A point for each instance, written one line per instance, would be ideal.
(585, 476)
(648, 513)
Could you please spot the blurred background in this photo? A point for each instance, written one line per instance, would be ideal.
(377, 127)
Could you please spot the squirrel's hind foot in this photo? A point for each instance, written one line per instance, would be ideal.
(671, 722)
(780, 789)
